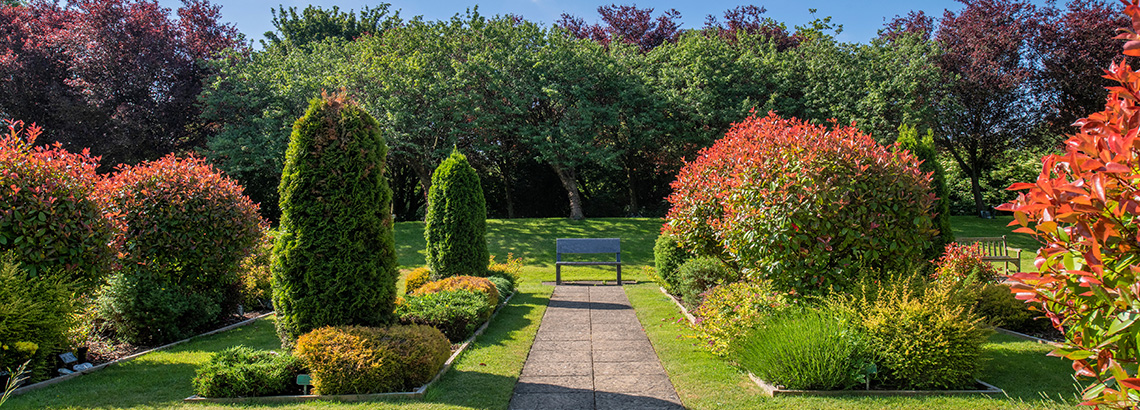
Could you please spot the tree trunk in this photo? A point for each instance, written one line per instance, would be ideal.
(424, 177)
(570, 181)
(509, 194)
(976, 188)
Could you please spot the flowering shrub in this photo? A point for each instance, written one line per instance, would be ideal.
(47, 214)
(1084, 207)
(964, 261)
(806, 206)
(729, 311)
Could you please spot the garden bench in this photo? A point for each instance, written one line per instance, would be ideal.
(995, 250)
(587, 245)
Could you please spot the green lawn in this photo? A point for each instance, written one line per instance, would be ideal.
(485, 375)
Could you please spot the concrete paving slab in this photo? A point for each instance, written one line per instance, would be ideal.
(554, 384)
(624, 356)
(623, 345)
(628, 368)
(611, 335)
(557, 369)
(553, 401)
(625, 401)
(563, 335)
(633, 383)
(556, 356)
(560, 345)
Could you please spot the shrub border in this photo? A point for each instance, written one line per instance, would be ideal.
(418, 393)
(772, 391)
(99, 367)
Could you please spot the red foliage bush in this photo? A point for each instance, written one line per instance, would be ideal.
(964, 261)
(1084, 207)
(183, 218)
(805, 206)
(47, 214)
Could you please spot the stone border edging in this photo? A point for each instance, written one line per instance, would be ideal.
(772, 391)
(414, 394)
(66, 377)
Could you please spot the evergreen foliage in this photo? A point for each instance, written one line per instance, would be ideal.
(456, 220)
(923, 149)
(335, 257)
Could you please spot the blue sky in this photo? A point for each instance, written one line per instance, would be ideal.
(860, 19)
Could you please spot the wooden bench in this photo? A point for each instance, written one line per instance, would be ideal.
(995, 250)
(586, 245)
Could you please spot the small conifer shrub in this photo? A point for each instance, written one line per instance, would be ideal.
(456, 220)
(335, 258)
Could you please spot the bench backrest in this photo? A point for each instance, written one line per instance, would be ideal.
(588, 245)
(991, 246)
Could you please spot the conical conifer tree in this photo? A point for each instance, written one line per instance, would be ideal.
(456, 220)
(335, 258)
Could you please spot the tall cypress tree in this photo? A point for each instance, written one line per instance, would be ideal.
(456, 220)
(924, 149)
(335, 257)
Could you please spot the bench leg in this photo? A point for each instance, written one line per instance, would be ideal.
(557, 274)
(619, 275)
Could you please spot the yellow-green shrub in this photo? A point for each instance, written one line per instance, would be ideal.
(508, 270)
(472, 283)
(362, 360)
(923, 336)
(416, 278)
(729, 311)
(256, 278)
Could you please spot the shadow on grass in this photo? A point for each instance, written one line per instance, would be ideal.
(1007, 362)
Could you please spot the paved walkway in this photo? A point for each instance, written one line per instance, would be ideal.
(591, 353)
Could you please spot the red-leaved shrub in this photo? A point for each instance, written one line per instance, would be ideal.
(1084, 208)
(805, 206)
(964, 261)
(47, 214)
(182, 219)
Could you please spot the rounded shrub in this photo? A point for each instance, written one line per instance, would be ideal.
(998, 305)
(698, 275)
(456, 222)
(416, 278)
(806, 349)
(508, 270)
(668, 255)
(503, 285)
(476, 284)
(185, 230)
(809, 207)
(335, 258)
(147, 308)
(36, 313)
(240, 371)
(363, 360)
(964, 262)
(456, 313)
(922, 336)
(729, 311)
(49, 216)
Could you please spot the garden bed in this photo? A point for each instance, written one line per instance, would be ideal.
(133, 356)
(414, 394)
(768, 389)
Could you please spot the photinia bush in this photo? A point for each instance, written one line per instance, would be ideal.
(960, 262)
(1084, 207)
(806, 206)
(182, 217)
(47, 214)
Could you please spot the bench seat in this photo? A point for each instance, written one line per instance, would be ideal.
(586, 245)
